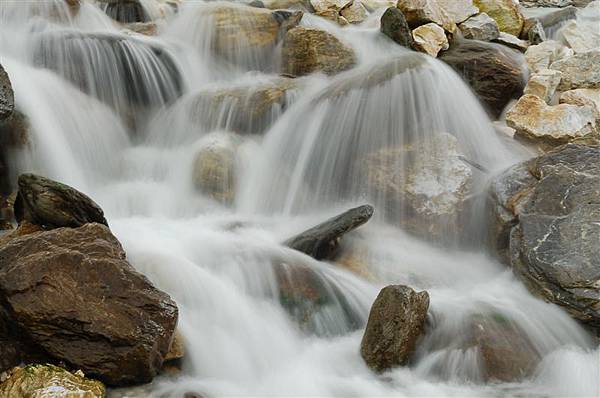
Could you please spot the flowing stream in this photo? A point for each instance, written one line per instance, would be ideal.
(117, 116)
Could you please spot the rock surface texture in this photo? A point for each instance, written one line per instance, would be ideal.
(7, 99)
(394, 25)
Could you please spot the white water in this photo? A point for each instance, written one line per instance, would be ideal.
(220, 263)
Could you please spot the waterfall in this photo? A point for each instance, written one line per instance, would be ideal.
(122, 117)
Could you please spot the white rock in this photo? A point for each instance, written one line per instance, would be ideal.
(542, 55)
(480, 27)
(430, 39)
(458, 10)
(579, 71)
(373, 5)
(543, 84)
(583, 97)
(581, 37)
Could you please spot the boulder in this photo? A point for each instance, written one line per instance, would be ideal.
(52, 204)
(546, 125)
(49, 381)
(308, 50)
(512, 41)
(480, 27)
(553, 233)
(125, 11)
(492, 72)
(425, 183)
(394, 25)
(214, 170)
(541, 56)
(396, 322)
(430, 39)
(533, 31)
(579, 71)
(583, 97)
(354, 12)
(543, 84)
(75, 296)
(7, 98)
(505, 12)
(581, 37)
(322, 241)
(458, 10)
(420, 12)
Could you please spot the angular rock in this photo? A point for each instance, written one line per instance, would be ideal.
(7, 97)
(547, 125)
(302, 5)
(323, 6)
(354, 12)
(308, 50)
(125, 11)
(492, 72)
(75, 296)
(52, 204)
(579, 71)
(581, 37)
(541, 56)
(373, 5)
(420, 12)
(321, 242)
(543, 84)
(49, 381)
(458, 10)
(546, 3)
(480, 27)
(505, 12)
(512, 41)
(430, 39)
(583, 97)
(533, 31)
(394, 25)
(396, 322)
(553, 235)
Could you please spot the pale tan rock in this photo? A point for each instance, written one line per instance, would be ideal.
(420, 12)
(542, 55)
(543, 84)
(535, 120)
(583, 97)
(480, 27)
(373, 5)
(512, 41)
(581, 37)
(579, 71)
(354, 12)
(505, 12)
(458, 10)
(430, 39)
(321, 6)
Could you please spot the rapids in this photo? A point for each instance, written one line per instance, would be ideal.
(111, 114)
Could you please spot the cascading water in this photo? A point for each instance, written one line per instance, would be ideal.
(257, 318)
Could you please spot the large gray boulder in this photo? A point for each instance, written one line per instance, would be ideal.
(396, 322)
(545, 216)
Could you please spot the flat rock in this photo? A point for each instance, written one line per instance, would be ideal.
(480, 27)
(430, 39)
(579, 71)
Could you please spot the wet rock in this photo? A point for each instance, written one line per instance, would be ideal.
(143, 28)
(492, 72)
(512, 42)
(420, 12)
(583, 97)
(505, 12)
(354, 12)
(553, 235)
(49, 381)
(579, 71)
(480, 27)
(7, 99)
(247, 35)
(215, 167)
(430, 39)
(14, 136)
(321, 241)
(533, 31)
(543, 84)
(394, 25)
(506, 352)
(52, 204)
(308, 50)
(541, 56)
(396, 322)
(302, 5)
(125, 11)
(78, 299)
(535, 120)
(373, 5)
(425, 184)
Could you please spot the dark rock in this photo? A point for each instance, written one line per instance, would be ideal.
(394, 25)
(321, 241)
(125, 11)
(533, 31)
(7, 97)
(257, 4)
(73, 294)
(492, 72)
(396, 322)
(52, 204)
(550, 221)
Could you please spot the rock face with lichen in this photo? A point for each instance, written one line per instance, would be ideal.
(396, 322)
(505, 12)
(544, 220)
(308, 50)
(44, 381)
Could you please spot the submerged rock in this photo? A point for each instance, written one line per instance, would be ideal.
(321, 241)
(7, 98)
(430, 39)
(480, 27)
(52, 204)
(492, 72)
(505, 12)
(547, 224)
(394, 26)
(308, 50)
(535, 120)
(396, 322)
(75, 296)
(45, 381)
(579, 71)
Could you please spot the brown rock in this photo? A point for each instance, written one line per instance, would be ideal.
(75, 296)
(396, 321)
